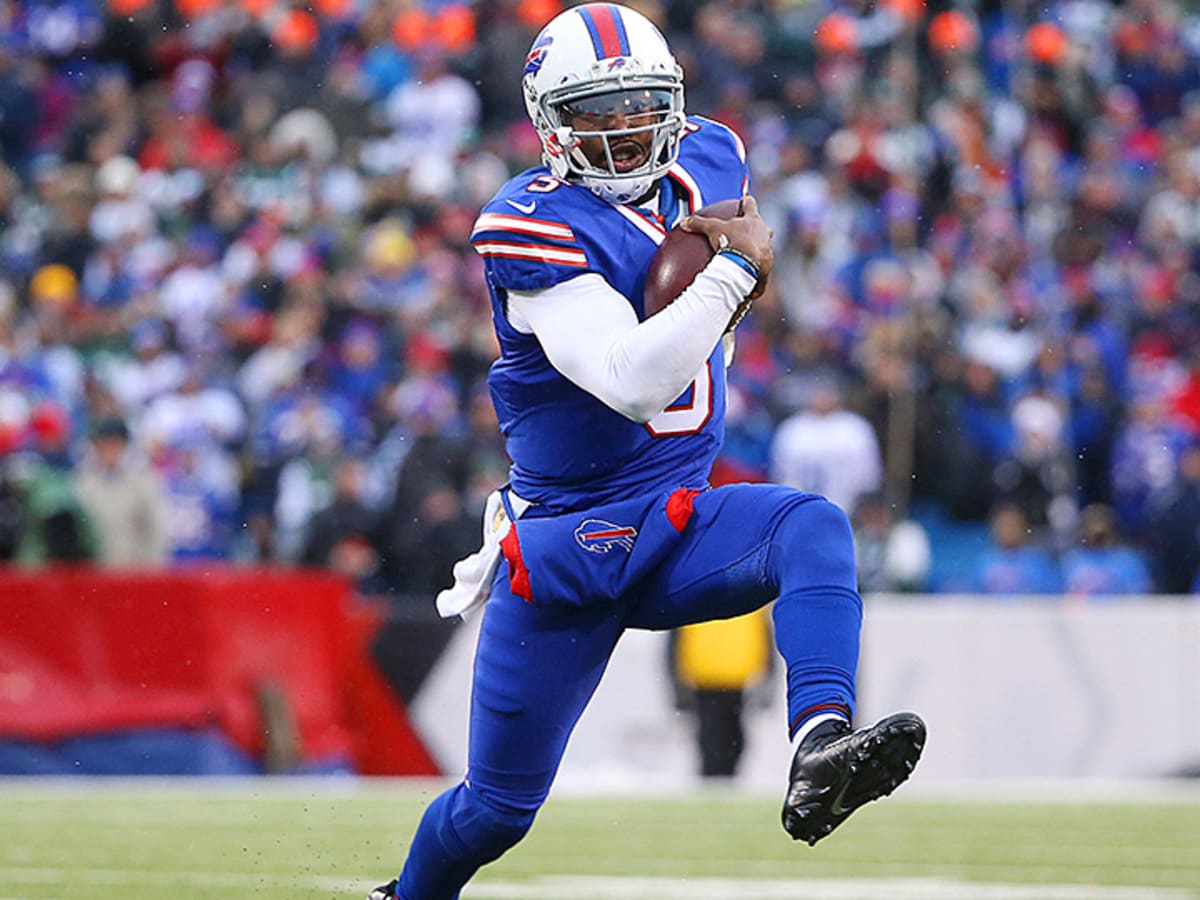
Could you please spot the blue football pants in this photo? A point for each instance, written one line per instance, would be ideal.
(536, 667)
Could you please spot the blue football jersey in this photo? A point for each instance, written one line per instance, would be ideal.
(568, 449)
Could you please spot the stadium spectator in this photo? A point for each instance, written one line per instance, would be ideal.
(198, 410)
(1101, 564)
(1145, 459)
(827, 449)
(153, 369)
(1174, 531)
(433, 117)
(202, 497)
(430, 469)
(54, 525)
(1015, 564)
(183, 134)
(974, 423)
(893, 556)
(1037, 475)
(343, 535)
(124, 500)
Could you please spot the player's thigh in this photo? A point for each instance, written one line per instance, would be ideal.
(535, 670)
(724, 565)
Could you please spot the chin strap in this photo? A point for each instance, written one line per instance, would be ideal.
(618, 190)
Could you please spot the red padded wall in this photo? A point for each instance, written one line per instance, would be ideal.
(84, 652)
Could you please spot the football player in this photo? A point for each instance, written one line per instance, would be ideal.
(612, 421)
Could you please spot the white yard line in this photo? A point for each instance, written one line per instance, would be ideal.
(95, 877)
(590, 887)
(600, 888)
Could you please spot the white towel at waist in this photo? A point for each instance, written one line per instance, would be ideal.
(473, 575)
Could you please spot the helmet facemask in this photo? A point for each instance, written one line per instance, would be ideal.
(610, 111)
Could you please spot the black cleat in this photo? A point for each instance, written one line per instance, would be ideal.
(384, 892)
(836, 770)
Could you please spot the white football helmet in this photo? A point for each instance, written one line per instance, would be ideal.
(607, 68)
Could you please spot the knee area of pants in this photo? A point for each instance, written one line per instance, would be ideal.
(820, 521)
(487, 824)
(820, 531)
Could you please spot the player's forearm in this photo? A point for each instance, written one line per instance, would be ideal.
(591, 335)
(656, 361)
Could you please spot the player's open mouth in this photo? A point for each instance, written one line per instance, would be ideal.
(628, 155)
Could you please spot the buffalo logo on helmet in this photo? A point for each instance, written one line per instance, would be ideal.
(537, 55)
(598, 536)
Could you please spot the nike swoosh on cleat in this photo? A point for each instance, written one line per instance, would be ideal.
(836, 807)
(527, 209)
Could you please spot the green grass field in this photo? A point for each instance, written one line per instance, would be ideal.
(196, 840)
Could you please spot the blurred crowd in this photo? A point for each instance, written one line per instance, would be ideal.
(240, 318)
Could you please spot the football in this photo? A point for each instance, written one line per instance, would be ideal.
(680, 257)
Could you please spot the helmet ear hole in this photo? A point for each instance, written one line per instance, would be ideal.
(564, 135)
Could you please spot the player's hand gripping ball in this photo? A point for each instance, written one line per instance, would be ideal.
(686, 251)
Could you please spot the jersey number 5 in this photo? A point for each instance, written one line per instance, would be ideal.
(691, 413)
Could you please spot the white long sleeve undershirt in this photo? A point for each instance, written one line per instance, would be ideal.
(591, 335)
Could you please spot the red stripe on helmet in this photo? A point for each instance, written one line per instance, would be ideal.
(607, 29)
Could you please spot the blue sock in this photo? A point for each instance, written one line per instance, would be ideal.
(818, 615)
(817, 635)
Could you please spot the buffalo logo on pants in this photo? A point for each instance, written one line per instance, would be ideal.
(598, 536)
